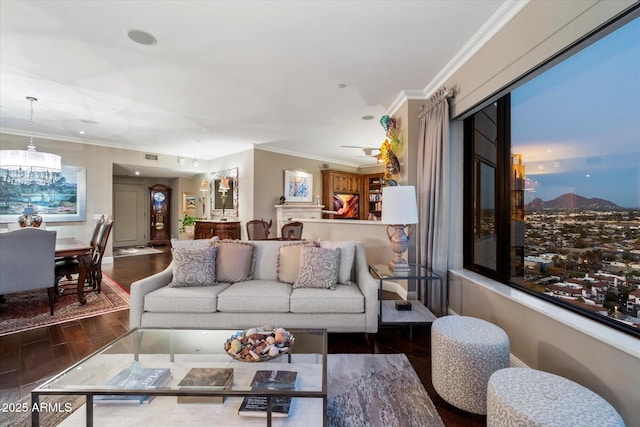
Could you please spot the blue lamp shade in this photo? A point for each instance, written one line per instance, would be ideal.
(399, 205)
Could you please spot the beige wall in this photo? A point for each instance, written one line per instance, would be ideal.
(542, 336)
(539, 31)
(269, 180)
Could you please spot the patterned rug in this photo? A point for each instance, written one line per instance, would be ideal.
(134, 250)
(29, 310)
(377, 390)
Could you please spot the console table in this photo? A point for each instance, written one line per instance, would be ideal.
(222, 229)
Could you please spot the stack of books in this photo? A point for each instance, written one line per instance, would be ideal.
(256, 406)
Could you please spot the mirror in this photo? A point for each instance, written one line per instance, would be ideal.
(224, 194)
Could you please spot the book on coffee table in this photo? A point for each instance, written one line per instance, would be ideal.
(135, 377)
(256, 406)
(206, 378)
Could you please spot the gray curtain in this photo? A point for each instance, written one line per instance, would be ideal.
(432, 237)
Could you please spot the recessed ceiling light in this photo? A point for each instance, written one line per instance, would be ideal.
(368, 117)
(81, 132)
(136, 173)
(142, 37)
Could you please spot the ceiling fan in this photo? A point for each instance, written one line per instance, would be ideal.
(368, 151)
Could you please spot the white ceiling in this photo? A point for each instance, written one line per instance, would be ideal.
(226, 75)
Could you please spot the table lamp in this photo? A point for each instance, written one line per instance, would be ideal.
(204, 189)
(222, 189)
(399, 209)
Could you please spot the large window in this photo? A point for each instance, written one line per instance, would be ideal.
(552, 182)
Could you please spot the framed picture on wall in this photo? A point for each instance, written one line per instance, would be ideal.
(189, 203)
(63, 200)
(298, 186)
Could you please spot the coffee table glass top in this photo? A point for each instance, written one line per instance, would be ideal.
(180, 350)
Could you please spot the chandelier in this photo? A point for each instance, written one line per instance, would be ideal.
(29, 167)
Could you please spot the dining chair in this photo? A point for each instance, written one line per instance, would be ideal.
(258, 229)
(27, 258)
(292, 231)
(92, 243)
(70, 266)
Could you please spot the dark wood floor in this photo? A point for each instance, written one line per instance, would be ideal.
(28, 358)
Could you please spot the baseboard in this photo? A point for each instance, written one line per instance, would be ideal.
(514, 362)
(396, 288)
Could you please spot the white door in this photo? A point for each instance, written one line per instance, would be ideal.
(130, 215)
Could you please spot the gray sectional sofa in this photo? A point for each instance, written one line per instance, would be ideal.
(263, 299)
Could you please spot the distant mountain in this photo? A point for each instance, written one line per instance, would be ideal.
(571, 201)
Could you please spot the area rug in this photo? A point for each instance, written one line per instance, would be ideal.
(372, 390)
(135, 250)
(377, 390)
(29, 310)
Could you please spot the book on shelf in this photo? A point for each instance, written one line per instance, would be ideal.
(206, 378)
(256, 406)
(135, 377)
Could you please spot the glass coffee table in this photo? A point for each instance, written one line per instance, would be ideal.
(174, 353)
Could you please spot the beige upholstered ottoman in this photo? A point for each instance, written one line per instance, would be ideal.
(465, 351)
(527, 397)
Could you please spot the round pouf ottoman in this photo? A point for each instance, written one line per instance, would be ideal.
(465, 351)
(528, 397)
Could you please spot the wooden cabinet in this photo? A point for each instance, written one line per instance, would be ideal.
(338, 186)
(373, 192)
(342, 188)
(159, 228)
(346, 182)
(222, 229)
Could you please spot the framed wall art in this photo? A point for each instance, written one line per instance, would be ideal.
(298, 186)
(189, 203)
(64, 200)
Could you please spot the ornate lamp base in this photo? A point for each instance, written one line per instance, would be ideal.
(399, 244)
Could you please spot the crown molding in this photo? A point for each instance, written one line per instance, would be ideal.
(402, 98)
(306, 156)
(496, 22)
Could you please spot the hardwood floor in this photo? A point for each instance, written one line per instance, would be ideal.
(29, 358)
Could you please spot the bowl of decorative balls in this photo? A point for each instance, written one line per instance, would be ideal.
(259, 344)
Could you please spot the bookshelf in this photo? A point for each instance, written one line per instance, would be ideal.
(373, 191)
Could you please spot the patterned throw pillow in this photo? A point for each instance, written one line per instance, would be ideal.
(234, 261)
(289, 261)
(347, 256)
(195, 266)
(318, 268)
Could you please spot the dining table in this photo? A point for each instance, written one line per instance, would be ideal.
(67, 247)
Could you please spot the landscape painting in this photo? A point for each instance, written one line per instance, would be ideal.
(63, 200)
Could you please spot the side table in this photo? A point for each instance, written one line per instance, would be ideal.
(419, 313)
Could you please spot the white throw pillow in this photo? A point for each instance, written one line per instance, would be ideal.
(198, 243)
(347, 257)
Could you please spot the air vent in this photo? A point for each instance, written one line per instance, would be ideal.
(151, 157)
